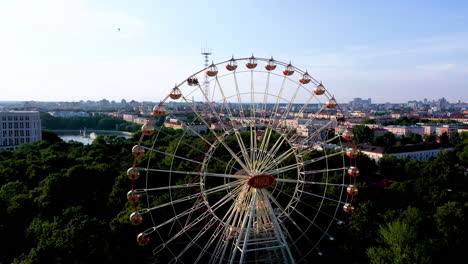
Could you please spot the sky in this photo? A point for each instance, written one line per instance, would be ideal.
(390, 51)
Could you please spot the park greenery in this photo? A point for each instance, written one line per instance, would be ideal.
(95, 122)
(66, 203)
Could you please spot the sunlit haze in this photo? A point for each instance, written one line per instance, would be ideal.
(56, 50)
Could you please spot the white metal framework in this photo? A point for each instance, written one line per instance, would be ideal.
(254, 174)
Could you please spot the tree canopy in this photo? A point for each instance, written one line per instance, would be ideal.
(65, 203)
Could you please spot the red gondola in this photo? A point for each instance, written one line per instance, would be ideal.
(232, 65)
(305, 78)
(319, 90)
(212, 70)
(271, 65)
(252, 63)
(289, 70)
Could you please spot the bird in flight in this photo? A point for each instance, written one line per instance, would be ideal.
(118, 29)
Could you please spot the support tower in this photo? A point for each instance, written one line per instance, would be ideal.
(206, 84)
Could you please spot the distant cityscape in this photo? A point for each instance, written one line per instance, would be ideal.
(21, 124)
(439, 107)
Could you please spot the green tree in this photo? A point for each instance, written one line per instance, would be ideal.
(444, 139)
(367, 121)
(362, 134)
(387, 140)
(430, 138)
(399, 245)
(449, 220)
(415, 138)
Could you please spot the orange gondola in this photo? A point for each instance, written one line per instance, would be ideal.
(175, 93)
(319, 90)
(252, 63)
(289, 70)
(353, 171)
(352, 190)
(331, 103)
(305, 78)
(147, 129)
(142, 239)
(232, 65)
(271, 65)
(159, 110)
(348, 208)
(212, 70)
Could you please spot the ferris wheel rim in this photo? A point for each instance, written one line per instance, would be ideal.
(206, 160)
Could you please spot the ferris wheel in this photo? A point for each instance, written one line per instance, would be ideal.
(252, 165)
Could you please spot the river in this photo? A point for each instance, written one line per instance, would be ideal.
(88, 139)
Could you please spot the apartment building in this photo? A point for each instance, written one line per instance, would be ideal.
(17, 127)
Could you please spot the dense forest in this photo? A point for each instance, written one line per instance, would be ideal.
(66, 203)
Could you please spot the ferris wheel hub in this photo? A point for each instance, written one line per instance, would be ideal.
(262, 181)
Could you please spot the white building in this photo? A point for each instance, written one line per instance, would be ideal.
(376, 153)
(405, 130)
(17, 127)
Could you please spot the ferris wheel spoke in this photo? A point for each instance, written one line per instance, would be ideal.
(312, 120)
(253, 147)
(202, 217)
(243, 148)
(219, 229)
(189, 185)
(307, 182)
(322, 196)
(272, 161)
(283, 211)
(193, 148)
(265, 97)
(316, 146)
(308, 205)
(239, 139)
(180, 215)
(323, 170)
(280, 159)
(223, 127)
(304, 106)
(275, 108)
(207, 226)
(318, 131)
(303, 163)
(263, 146)
(172, 155)
(239, 100)
(284, 169)
(245, 227)
(241, 208)
(277, 227)
(288, 107)
(193, 196)
(307, 162)
(271, 153)
(209, 174)
(311, 223)
(213, 110)
(287, 214)
(322, 143)
(241, 163)
(252, 98)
